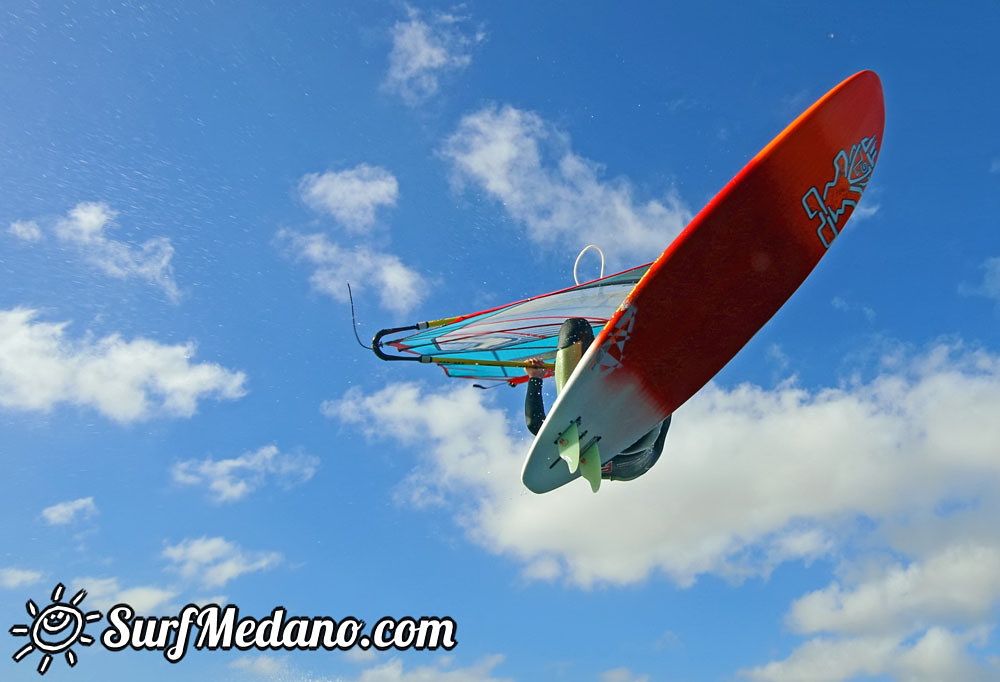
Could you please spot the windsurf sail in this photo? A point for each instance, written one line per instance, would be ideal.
(496, 344)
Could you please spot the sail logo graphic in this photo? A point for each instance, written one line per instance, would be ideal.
(851, 172)
(55, 629)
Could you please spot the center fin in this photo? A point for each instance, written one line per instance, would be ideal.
(590, 467)
(569, 447)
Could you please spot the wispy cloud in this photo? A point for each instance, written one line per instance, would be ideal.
(127, 381)
(351, 196)
(360, 656)
(213, 562)
(85, 228)
(622, 675)
(794, 104)
(67, 512)
(11, 578)
(233, 479)
(865, 210)
(669, 638)
(424, 51)
(263, 666)
(441, 670)
(104, 593)
(27, 230)
(529, 167)
(841, 304)
(989, 286)
(682, 103)
(399, 287)
(995, 166)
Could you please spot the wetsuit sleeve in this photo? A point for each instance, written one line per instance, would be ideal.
(534, 407)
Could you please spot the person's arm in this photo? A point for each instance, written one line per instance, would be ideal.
(534, 406)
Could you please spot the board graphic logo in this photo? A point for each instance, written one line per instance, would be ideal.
(851, 172)
(55, 629)
(612, 351)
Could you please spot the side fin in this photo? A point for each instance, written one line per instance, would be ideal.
(569, 447)
(590, 467)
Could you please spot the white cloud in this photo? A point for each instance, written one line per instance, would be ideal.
(262, 666)
(439, 671)
(622, 675)
(85, 226)
(894, 620)
(124, 380)
(360, 656)
(937, 655)
(442, 669)
(103, 593)
(822, 660)
(218, 599)
(528, 166)
(66, 512)
(85, 223)
(233, 479)
(804, 544)
(959, 583)
(215, 561)
(351, 196)
(752, 478)
(941, 654)
(749, 477)
(424, 51)
(11, 578)
(399, 288)
(27, 230)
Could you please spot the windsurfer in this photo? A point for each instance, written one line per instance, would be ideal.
(575, 336)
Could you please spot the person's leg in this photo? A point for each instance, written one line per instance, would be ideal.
(575, 337)
(643, 443)
(627, 467)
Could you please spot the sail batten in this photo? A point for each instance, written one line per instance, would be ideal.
(505, 338)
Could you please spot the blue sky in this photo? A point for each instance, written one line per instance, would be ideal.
(186, 416)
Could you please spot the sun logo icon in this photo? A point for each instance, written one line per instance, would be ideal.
(55, 629)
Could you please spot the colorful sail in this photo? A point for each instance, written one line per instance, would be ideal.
(496, 344)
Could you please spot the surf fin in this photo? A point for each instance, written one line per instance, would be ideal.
(590, 467)
(569, 447)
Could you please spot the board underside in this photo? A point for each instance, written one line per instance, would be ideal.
(719, 281)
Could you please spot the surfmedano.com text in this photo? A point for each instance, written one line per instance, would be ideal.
(213, 627)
